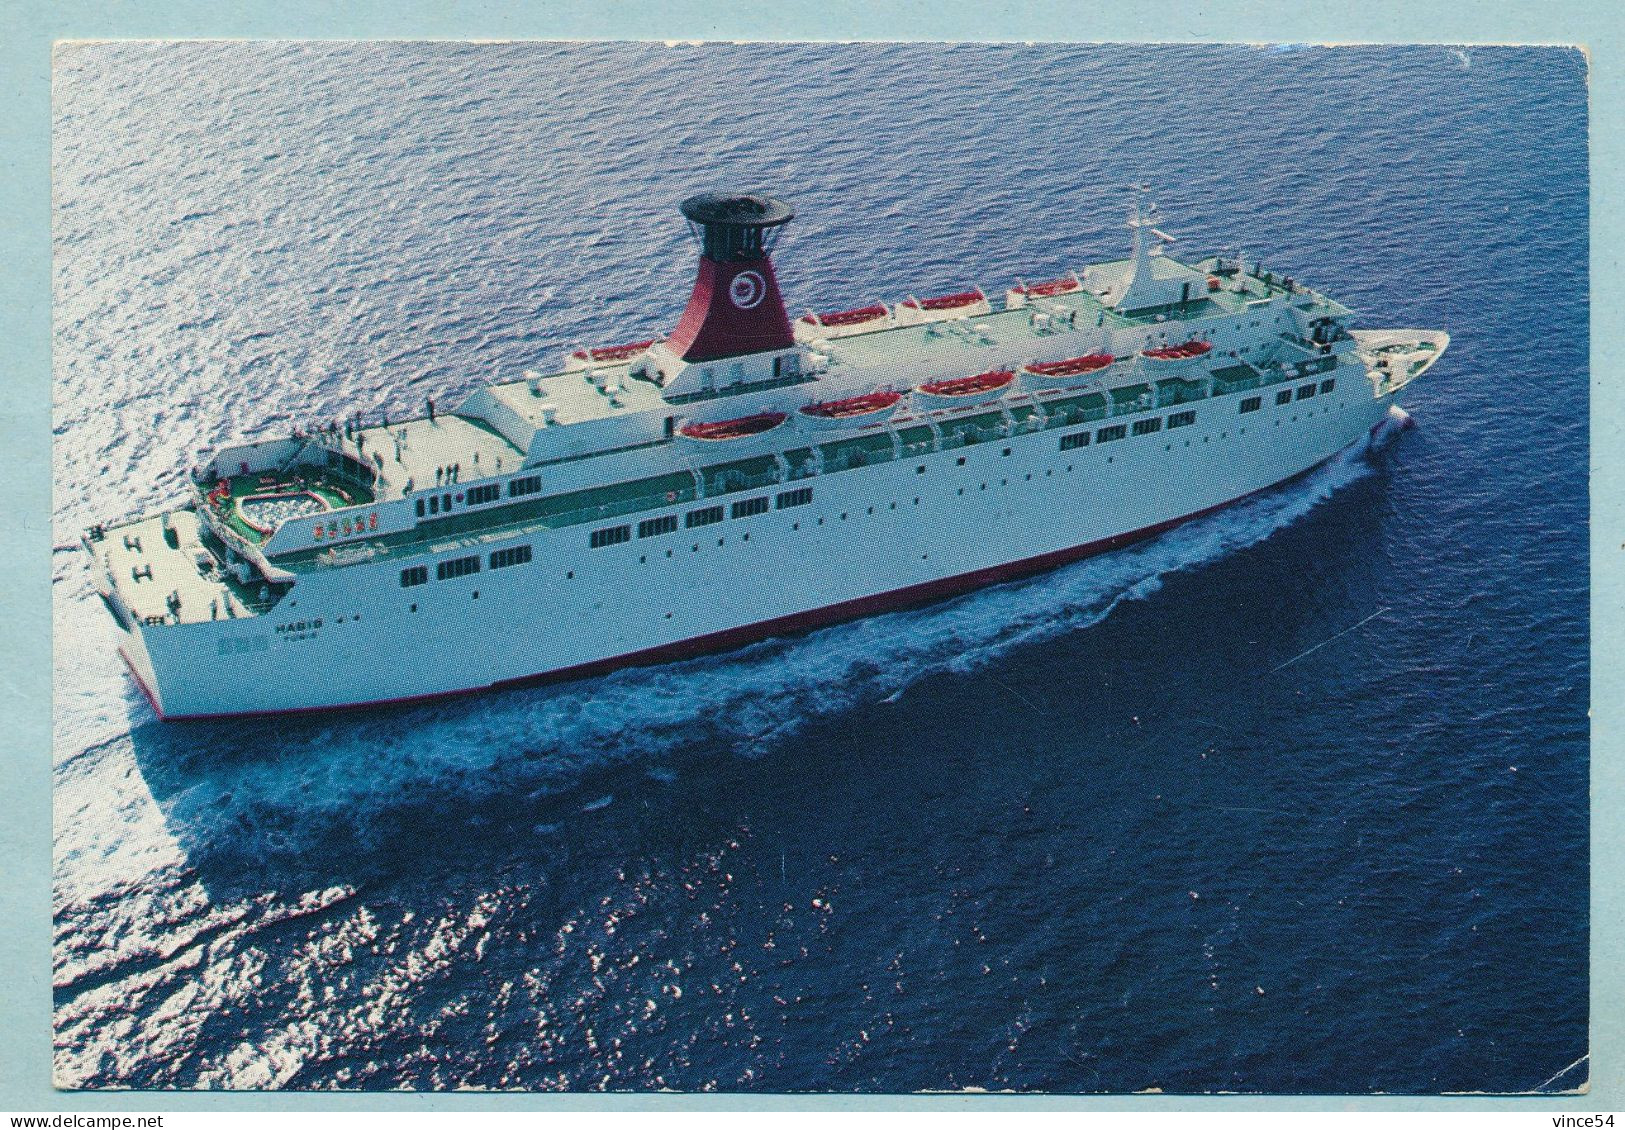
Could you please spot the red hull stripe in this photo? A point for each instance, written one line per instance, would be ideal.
(907, 597)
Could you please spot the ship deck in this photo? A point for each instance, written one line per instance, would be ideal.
(334, 492)
(149, 564)
(954, 339)
(415, 451)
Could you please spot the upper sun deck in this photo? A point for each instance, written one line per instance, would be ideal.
(424, 453)
(574, 397)
(947, 341)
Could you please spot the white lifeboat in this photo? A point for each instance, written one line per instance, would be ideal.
(1016, 297)
(963, 392)
(605, 355)
(1172, 357)
(1042, 375)
(850, 412)
(812, 326)
(966, 304)
(723, 431)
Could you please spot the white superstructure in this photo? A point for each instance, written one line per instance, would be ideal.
(739, 478)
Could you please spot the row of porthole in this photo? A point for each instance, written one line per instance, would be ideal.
(643, 559)
(845, 515)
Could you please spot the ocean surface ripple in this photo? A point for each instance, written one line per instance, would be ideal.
(1290, 799)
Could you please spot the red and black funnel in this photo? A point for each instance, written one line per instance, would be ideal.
(735, 308)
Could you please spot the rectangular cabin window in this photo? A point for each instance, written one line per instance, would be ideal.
(612, 535)
(416, 575)
(445, 503)
(1252, 403)
(1106, 435)
(749, 506)
(650, 527)
(518, 555)
(530, 484)
(1180, 419)
(456, 567)
(1284, 396)
(434, 504)
(794, 498)
(1327, 386)
(1076, 439)
(1306, 391)
(703, 517)
(1146, 427)
(488, 493)
(420, 508)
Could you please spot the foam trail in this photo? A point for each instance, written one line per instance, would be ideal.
(545, 741)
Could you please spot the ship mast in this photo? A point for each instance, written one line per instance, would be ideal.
(1142, 219)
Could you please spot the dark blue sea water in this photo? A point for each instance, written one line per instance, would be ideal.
(1292, 799)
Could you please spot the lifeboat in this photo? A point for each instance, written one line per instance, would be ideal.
(742, 428)
(852, 412)
(1060, 374)
(965, 304)
(605, 355)
(1170, 356)
(812, 326)
(962, 391)
(1016, 297)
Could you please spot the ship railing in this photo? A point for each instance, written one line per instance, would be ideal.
(1223, 387)
(732, 481)
(1034, 423)
(964, 437)
(734, 389)
(616, 509)
(1167, 398)
(1309, 348)
(1130, 407)
(1066, 417)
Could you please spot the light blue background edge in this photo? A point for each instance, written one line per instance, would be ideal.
(31, 26)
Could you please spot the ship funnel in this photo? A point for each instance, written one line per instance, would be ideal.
(735, 307)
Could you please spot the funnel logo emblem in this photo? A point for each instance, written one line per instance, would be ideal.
(747, 290)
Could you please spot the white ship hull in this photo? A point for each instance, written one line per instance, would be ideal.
(862, 545)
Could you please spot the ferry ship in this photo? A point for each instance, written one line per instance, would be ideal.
(745, 475)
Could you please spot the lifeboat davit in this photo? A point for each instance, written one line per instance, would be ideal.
(742, 428)
(812, 326)
(852, 412)
(1016, 297)
(961, 391)
(605, 355)
(1060, 374)
(1172, 355)
(965, 304)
